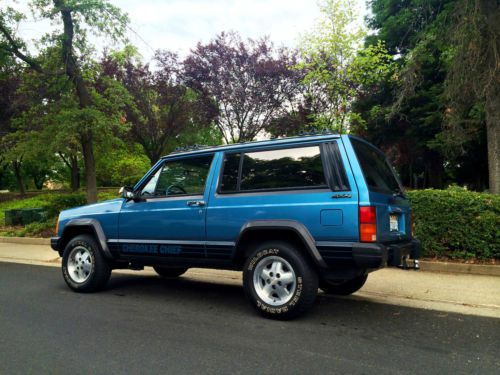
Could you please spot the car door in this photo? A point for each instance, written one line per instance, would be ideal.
(168, 219)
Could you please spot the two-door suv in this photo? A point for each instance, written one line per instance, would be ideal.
(294, 214)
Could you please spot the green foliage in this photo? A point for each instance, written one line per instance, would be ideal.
(56, 203)
(336, 67)
(108, 194)
(456, 223)
(53, 202)
(39, 229)
(123, 166)
(428, 115)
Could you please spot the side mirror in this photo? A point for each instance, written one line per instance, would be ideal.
(127, 193)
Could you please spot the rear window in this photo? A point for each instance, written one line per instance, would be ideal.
(291, 168)
(379, 175)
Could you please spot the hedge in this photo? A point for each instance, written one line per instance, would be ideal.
(457, 223)
(453, 223)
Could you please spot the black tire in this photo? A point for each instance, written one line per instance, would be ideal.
(169, 272)
(98, 268)
(301, 294)
(344, 288)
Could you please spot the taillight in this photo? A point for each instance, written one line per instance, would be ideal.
(368, 224)
(57, 226)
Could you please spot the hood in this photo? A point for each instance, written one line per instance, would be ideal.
(89, 210)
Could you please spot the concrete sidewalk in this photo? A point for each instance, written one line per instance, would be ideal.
(446, 292)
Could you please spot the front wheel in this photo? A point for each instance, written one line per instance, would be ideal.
(344, 288)
(83, 266)
(279, 281)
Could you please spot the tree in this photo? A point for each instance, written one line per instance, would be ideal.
(473, 80)
(251, 82)
(336, 67)
(409, 112)
(159, 107)
(77, 20)
(300, 119)
(11, 104)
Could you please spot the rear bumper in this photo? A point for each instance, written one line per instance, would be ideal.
(376, 255)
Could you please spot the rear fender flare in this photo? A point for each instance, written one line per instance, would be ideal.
(292, 225)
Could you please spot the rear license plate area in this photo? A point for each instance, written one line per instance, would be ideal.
(393, 223)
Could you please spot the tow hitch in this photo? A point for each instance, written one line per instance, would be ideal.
(414, 263)
(406, 255)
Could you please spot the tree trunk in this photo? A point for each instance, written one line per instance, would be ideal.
(38, 181)
(75, 173)
(435, 171)
(84, 98)
(19, 177)
(90, 175)
(493, 141)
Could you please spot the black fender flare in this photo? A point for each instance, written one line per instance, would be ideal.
(293, 225)
(96, 228)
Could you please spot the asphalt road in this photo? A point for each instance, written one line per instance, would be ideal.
(144, 325)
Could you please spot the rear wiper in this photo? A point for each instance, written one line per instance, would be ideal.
(399, 193)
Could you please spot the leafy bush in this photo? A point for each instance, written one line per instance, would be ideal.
(108, 194)
(58, 202)
(54, 202)
(41, 229)
(457, 223)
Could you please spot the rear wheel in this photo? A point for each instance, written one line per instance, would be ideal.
(344, 288)
(83, 266)
(169, 271)
(279, 281)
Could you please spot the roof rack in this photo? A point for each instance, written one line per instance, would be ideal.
(190, 148)
(315, 131)
(312, 132)
(304, 133)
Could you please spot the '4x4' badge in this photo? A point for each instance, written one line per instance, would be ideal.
(342, 196)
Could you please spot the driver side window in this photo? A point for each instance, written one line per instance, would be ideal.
(179, 177)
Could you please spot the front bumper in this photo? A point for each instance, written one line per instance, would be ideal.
(376, 255)
(55, 243)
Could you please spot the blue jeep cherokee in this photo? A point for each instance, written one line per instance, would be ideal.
(294, 214)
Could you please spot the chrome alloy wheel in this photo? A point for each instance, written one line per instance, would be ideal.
(274, 280)
(80, 264)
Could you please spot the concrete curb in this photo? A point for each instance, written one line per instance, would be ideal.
(425, 265)
(472, 269)
(25, 240)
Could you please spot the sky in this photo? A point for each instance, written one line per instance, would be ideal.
(178, 25)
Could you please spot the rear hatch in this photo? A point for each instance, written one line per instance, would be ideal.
(385, 193)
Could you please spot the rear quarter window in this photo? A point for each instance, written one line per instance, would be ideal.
(378, 173)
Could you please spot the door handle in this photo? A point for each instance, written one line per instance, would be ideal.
(195, 203)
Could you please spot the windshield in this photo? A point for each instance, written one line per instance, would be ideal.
(379, 175)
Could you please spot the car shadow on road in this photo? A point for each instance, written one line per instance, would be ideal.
(229, 298)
